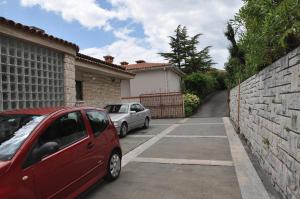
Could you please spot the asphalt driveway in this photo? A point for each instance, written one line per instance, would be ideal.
(191, 158)
(178, 165)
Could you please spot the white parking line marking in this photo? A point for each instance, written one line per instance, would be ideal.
(165, 124)
(140, 149)
(140, 136)
(203, 123)
(195, 136)
(184, 161)
(162, 124)
(250, 183)
(189, 124)
(183, 121)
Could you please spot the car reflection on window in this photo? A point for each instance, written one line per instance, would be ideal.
(14, 130)
(117, 108)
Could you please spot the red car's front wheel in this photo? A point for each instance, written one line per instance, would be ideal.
(114, 166)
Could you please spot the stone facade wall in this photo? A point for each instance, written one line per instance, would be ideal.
(270, 120)
(69, 80)
(99, 90)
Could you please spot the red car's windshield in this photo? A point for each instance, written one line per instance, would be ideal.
(14, 130)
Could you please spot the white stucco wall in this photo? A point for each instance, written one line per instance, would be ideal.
(153, 81)
(125, 88)
(174, 82)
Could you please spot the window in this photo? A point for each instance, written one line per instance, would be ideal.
(14, 130)
(79, 95)
(136, 107)
(30, 75)
(133, 107)
(98, 120)
(140, 107)
(65, 130)
(117, 108)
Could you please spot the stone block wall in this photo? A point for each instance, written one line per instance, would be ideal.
(99, 90)
(270, 120)
(69, 80)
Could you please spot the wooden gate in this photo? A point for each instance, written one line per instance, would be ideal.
(164, 105)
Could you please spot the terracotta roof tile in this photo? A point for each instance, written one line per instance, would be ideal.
(37, 31)
(145, 65)
(87, 58)
(41, 33)
(149, 66)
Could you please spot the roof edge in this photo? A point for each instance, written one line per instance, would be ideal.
(92, 60)
(37, 32)
(178, 71)
(166, 66)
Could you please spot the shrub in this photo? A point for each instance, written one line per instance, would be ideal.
(191, 103)
(200, 84)
(220, 76)
(188, 111)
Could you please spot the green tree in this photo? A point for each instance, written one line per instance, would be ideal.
(185, 54)
(179, 46)
(268, 29)
(236, 61)
(200, 84)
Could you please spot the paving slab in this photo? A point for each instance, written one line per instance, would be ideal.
(165, 121)
(130, 143)
(169, 181)
(204, 120)
(152, 130)
(190, 148)
(202, 129)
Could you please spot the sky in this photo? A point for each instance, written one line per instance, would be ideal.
(129, 30)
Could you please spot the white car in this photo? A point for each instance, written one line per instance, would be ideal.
(128, 116)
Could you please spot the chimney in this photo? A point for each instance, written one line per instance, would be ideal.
(124, 63)
(140, 61)
(109, 59)
(37, 29)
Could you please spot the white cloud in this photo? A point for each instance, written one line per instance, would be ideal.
(158, 18)
(123, 33)
(125, 49)
(87, 12)
(3, 2)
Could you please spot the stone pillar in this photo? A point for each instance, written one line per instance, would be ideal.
(69, 80)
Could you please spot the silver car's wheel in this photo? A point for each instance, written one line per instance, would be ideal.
(146, 124)
(123, 130)
(114, 166)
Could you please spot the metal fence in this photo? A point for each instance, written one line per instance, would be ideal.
(164, 105)
(130, 99)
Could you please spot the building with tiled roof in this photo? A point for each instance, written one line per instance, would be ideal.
(41, 70)
(151, 78)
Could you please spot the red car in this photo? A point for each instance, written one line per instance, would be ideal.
(56, 152)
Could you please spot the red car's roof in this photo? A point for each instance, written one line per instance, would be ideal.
(33, 111)
(41, 111)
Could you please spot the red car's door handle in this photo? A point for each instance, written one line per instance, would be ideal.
(90, 145)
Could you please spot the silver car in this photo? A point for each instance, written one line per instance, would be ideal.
(128, 116)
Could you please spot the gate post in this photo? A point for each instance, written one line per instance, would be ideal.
(228, 100)
(239, 105)
(160, 105)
